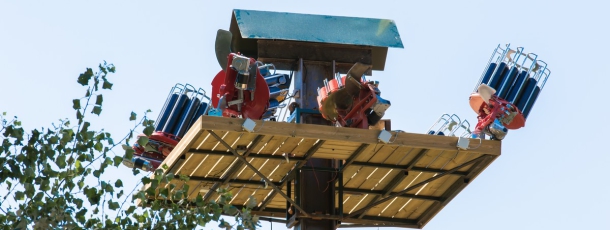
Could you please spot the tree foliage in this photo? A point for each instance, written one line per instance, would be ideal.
(57, 177)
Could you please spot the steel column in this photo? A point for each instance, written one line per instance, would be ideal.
(309, 77)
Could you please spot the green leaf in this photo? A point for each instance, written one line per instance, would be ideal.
(61, 161)
(143, 140)
(130, 210)
(117, 161)
(148, 130)
(99, 100)
(79, 115)
(19, 195)
(164, 193)
(251, 202)
(170, 176)
(118, 183)
(53, 140)
(230, 210)
(79, 203)
(133, 116)
(106, 85)
(113, 205)
(76, 103)
(98, 146)
(108, 161)
(129, 153)
(145, 180)
(97, 110)
(84, 78)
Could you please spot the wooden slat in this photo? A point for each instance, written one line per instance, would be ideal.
(223, 166)
(364, 172)
(185, 144)
(374, 211)
(195, 161)
(256, 149)
(349, 135)
(383, 176)
(362, 175)
(340, 145)
(260, 163)
(349, 171)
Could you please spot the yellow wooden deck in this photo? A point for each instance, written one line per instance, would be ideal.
(370, 174)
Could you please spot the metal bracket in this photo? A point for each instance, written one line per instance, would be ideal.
(463, 143)
(384, 136)
(249, 125)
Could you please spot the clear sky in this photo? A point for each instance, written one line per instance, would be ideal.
(552, 174)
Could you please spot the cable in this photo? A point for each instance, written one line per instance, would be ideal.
(316, 176)
(331, 180)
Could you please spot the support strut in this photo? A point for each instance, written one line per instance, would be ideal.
(261, 175)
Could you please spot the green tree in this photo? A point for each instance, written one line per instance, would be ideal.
(53, 177)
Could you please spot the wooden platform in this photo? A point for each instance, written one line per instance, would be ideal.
(403, 183)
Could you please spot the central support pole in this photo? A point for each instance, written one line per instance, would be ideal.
(317, 190)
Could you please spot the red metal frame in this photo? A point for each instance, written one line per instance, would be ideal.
(224, 85)
(498, 108)
(356, 114)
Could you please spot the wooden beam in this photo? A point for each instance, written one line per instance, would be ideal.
(382, 225)
(185, 143)
(363, 136)
(232, 181)
(355, 163)
(181, 148)
(290, 64)
(382, 192)
(311, 51)
(364, 220)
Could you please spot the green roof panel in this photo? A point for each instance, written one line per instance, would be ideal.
(255, 24)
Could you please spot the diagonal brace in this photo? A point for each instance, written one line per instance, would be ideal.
(369, 206)
(353, 156)
(292, 172)
(399, 178)
(261, 175)
(233, 169)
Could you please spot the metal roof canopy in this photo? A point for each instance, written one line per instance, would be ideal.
(302, 31)
(404, 183)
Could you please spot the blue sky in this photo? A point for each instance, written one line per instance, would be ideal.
(551, 174)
